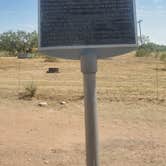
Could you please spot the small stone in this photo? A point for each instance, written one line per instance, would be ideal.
(43, 104)
(46, 162)
(63, 103)
(53, 150)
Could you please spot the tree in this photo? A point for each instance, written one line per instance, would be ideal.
(16, 42)
(8, 41)
(32, 40)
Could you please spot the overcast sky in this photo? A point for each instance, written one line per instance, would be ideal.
(22, 14)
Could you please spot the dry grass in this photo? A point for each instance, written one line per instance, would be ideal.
(123, 78)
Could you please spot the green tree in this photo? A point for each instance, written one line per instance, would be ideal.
(8, 41)
(16, 42)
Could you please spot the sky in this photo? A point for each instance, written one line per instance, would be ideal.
(23, 15)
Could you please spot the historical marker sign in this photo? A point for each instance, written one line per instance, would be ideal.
(87, 30)
(79, 24)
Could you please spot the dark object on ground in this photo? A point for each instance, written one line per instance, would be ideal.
(53, 70)
(25, 55)
(22, 56)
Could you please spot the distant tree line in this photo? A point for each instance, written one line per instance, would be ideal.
(149, 48)
(18, 42)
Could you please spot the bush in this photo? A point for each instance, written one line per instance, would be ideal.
(50, 59)
(30, 91)
(18, 42)
(145, 50)
(163, 57)
(4, 54)
(150, 49)
(142, 52)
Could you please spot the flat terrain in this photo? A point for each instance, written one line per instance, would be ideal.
(131, 107)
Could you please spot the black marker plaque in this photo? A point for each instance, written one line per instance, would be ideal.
(86, 22)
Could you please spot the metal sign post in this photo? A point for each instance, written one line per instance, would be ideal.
(87, 31)
(89, 69)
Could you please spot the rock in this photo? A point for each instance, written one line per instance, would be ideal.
(43, 104)
(53, 151)
(53, 70)
(46, 162)
(63, 103)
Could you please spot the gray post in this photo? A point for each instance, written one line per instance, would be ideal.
(140, 30)
(89, 69)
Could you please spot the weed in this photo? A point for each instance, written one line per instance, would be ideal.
(29, 92)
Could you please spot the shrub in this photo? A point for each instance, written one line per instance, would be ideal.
(142, 52)
(150, 49)
(29, 92)
(4, 54)
(50, 59)
(18, 42)
(163, 57)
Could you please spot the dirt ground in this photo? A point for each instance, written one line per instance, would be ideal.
(131, 110)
